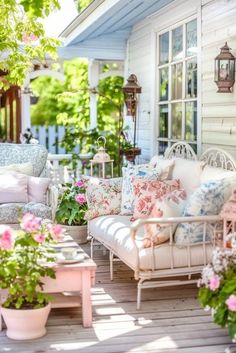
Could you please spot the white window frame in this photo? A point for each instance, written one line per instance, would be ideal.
(184, 100)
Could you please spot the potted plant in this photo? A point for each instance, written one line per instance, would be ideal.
(218, 288)
(71, 208)
(127, 149)
(23, 254)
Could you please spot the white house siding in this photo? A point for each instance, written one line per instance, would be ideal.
(217, 117)
(141, 60)
(218, 109)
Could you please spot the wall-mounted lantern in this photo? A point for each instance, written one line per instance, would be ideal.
(225, 70)
(131, 89)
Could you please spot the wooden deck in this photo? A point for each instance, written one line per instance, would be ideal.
(170, 320)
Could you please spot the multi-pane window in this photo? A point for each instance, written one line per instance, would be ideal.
(177, 85)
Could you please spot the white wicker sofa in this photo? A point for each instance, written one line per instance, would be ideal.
(156, 266)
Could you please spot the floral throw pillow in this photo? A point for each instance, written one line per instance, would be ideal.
(103, 196)
(142, 171)
(147, 192)
(170, 205)
(207, 199)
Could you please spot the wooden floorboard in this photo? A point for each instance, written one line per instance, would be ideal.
(170, 321)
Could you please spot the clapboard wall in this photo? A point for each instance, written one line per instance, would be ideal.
(217, 117)
(218, 109)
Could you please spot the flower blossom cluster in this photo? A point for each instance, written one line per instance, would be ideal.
(33, 226)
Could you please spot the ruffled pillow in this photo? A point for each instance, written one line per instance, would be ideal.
(147, 192)
(103, 196)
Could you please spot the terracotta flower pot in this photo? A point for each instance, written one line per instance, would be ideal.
(78, 233)
(26, 324)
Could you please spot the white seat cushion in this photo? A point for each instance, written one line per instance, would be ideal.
(114, 231)
(210, 173)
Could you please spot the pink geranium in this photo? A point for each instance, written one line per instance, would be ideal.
(214, 283)
(56, 231)
(39, 237)
(6, 238)
(80, 198)
(30, 223)
(79, 183)
(231, 302)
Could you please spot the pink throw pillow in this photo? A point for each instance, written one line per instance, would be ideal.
(13, 188)
(37, 189)
(147, 192)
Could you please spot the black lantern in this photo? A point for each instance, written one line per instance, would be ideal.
(225, 69)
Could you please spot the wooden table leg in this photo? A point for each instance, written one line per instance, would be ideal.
(86, 299)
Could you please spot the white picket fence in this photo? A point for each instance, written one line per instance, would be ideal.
(50, 136)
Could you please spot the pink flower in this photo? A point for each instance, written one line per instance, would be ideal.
(79, 183)
(30, 223)
(231, 302)
(6, 238)
(56, 231)
(29, 38)
(80, 198)
(39, 238)
(214, 283)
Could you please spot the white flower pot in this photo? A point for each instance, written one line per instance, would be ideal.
(78, 233)
(26, 324)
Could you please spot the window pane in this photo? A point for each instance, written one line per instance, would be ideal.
(177, 43)
(164, 48)
(191, 121)
(163, 121)
(177, 73)
(176, 122)
(191, 38)
(164, 84)
(191, 79)
(162, 147)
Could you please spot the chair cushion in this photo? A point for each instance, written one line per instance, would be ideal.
(114, 231)
(37, 189)
(11, 212)
(189, 173)
(11, 153)
(22, 168)
(13, 188)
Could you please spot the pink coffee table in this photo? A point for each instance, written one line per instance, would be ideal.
(73, 278)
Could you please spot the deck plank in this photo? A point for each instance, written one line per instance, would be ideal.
(170, 321)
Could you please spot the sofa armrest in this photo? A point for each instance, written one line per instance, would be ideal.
(171, 221)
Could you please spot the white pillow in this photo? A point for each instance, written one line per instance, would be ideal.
(166, 166)
(189, 173)
(13, 188)
(23, 168)
(211, 173)
(37, 189)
